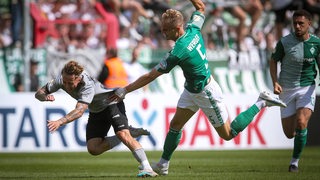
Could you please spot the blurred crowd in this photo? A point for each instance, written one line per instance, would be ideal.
(236, 24)
(230, 24)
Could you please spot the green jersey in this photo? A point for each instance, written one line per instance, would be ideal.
(298, 60)
(190, 54)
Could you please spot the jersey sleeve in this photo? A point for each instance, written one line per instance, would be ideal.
(167, 63)
(86, 95)
(54, 85)
(196, 19)
(279, 53)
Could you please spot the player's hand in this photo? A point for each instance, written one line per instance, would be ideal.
(277, 89)
(53, 125)
(119, 94)
(50, 97)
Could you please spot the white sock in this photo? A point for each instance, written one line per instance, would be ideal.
(141, 157)
(164, 162)
(294, 161)
(260, 103)
(146, 165)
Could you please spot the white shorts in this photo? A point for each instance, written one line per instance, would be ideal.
(209, 100)
(302, 97)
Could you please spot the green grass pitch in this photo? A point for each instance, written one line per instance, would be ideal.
(185, 165)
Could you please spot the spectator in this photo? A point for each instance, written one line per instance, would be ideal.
(254, 8)
(89, 37)
(113, 73)
(133, 68)
(34, 78)
(313, 6)
(5, 30)
(68, 34)
(280, 8)
(156, 6)
(74, 37)
(135, 10)
(57, 9)
(18, 83)
(16, 12)
(63, 40)
(84, 10)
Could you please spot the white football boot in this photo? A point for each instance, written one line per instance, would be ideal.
(271, 100)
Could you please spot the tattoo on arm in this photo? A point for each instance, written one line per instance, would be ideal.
(74, 114)
(41, 94)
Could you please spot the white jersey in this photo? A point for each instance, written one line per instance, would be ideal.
(89, 91)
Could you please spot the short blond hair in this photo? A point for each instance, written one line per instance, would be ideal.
(72, 68)
(172, 17)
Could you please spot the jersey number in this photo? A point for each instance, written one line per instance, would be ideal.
(203, 55)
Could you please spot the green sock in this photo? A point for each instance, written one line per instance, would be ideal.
(300, 141)
(243, 120)
(171, 143)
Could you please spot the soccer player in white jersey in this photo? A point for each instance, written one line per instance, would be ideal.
(103, 113)
(298, 54)
(201, 90)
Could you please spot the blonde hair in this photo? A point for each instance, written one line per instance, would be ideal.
(172, 17)
(72, 68)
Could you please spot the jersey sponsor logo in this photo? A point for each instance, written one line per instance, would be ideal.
(301, 60)
(309, 60)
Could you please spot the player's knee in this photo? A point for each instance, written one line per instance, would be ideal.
(93, 151)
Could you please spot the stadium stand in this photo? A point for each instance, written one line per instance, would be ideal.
(43, 27)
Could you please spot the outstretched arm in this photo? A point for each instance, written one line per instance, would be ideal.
(71, 116)
(140, 82)
(143, 80)
(199, 5)
(43, 95)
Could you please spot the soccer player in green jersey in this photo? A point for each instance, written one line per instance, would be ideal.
(201, 90)
(298, 54)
